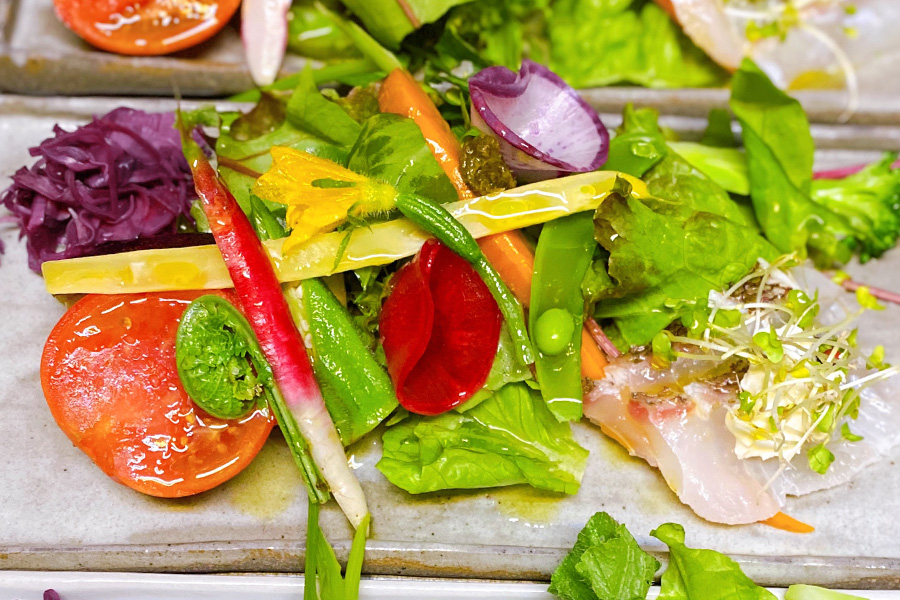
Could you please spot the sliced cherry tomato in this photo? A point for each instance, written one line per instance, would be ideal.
(145, 27)
(110, 379)
(440, 328)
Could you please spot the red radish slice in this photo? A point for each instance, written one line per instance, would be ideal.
(545, 128)
(264, 29)
(440, 328)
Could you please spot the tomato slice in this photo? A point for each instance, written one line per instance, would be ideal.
(110, 379)
(145, 27)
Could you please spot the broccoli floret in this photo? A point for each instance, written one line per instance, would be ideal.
(869, 202)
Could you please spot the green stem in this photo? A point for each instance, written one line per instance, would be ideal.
(328, 73)
(436, 220)
(298, 447)
(386, 60)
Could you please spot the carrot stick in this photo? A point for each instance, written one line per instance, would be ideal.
(788, 523)
(513, 258)
(402, 95)
(508, 252)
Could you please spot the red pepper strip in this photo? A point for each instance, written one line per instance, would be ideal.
(265, 307)
(440, 328)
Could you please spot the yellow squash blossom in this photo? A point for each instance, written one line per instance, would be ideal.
(320, 194)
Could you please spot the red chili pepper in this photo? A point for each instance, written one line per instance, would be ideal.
(266, 309)
(440, 328)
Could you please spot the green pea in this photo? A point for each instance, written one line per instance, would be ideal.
(553, 331)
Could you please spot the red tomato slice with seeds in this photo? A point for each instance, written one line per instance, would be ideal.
(110, 379)
(440, 328)
(145, 27)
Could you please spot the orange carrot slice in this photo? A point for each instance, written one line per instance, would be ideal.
(788, 523)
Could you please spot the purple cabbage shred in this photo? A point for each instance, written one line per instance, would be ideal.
(51, 595)
(121, 177)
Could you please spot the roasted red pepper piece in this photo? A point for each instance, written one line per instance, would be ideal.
(440, 328)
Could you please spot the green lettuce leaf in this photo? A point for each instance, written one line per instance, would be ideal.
(669, 251)
(779, 149)
(695, 573)
(493, 33)
(664, 257)
(727, 167)
(243, 159)
(631, 41)
(869, 202)
(508, 439)
(506, 369)
(606, 563)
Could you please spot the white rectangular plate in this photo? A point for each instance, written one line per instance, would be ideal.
(22, 585)
(60, 512)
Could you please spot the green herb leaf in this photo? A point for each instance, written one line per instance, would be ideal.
(876, 359)
(308, 110)
(392, 150)
(507, 439)
(770, 344)
(389, 22)
(605, 563)
(849, 435)
(663, 355)
(718, 133)
(264, 118)
(697, 573)
(866, 299)
(820, 458)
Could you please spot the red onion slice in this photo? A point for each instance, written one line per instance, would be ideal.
(544, 127)
(264, 30)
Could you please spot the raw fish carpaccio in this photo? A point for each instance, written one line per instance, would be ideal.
(825, 43)
(676, 418)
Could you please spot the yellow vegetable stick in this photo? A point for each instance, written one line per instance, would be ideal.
(201, 267)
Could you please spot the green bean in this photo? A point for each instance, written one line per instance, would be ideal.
(437, 221)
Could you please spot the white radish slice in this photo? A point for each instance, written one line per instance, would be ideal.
(264, 30)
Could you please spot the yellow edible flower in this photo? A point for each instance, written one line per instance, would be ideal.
(320, 194)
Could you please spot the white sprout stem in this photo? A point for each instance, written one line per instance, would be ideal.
(876, 376)
(846, 65)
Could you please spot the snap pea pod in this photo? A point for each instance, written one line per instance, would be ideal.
(564, 252)
(436, 220)
(213, 338)
(358, 392)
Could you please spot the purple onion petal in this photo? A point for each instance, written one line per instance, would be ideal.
(545, 128)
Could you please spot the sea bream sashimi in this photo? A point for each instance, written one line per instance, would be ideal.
(798, 43)
(774, 398)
